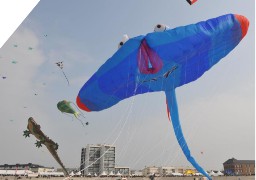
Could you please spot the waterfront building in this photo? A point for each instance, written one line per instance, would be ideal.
(170, 170)
(147, 171)
(180, 170)
(136, 173)
(165, 171)
(96, 159)
(29, 166)
(239, 167)
(29, 170)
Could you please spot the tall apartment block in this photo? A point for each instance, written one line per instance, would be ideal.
(96, 159)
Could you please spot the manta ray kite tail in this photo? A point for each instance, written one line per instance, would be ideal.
(173, 108)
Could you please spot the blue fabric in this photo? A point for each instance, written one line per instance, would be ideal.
(173, 108)
(193, 49)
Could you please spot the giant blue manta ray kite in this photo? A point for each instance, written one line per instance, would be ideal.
(162, 61)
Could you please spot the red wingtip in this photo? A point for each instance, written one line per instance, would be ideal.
(81, 105)
(244, 23)
(191, 1)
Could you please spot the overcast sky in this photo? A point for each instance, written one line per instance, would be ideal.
(216, 111)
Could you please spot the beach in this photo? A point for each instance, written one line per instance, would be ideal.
(136, 178)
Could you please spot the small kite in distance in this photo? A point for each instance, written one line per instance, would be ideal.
(60, 65)
(191, 1)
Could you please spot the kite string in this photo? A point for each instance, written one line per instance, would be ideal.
(136, 87)
(109, 136)
(95, 151)
(81, 113)
(131, 136)
(162, 85)
(65, 76)
(76, 118)
(126, 119)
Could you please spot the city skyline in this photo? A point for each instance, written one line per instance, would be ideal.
(231, 166)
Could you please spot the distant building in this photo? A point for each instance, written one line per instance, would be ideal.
(147, 171)
(29, 170)
(136, 173)
(168, 170)
(90, 156)
(125, 171)
(239, 167)
(107, 160)
(165, 171)
(96, 159)
(29, 166)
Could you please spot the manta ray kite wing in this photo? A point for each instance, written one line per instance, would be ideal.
(163, 61)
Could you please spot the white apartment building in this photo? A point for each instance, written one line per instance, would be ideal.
(96, 159)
